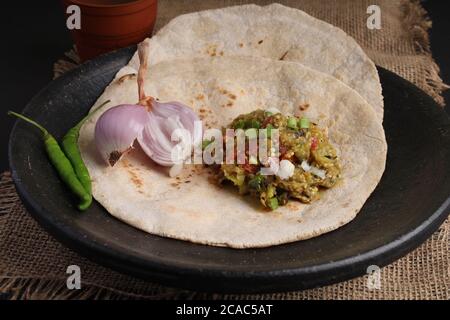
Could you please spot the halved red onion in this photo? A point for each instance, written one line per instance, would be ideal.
(165, 120)
(187, 116)
(151, 122)
(116, 130)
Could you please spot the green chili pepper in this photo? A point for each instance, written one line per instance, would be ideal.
(70, 146)
(61, 164)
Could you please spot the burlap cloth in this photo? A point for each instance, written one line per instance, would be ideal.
(33, 265)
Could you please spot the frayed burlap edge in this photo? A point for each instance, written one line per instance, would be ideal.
(36, 288)
(418, 23)
(70, 61)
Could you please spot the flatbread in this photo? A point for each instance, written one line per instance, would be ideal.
(274, 31)
(140, 193)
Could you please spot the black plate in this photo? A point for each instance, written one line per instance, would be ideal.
(408, 205)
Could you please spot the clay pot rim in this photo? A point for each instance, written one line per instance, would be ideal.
(91, 5)
(95, 36)
(110, 10)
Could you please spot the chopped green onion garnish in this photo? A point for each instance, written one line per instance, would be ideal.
(268, 113)
(269, 128)
(304, 123)
(240, 124)
(205, 143)
(272, 203)
(256, 181)
(271, 191)
(292, 123)
(253, 124)
(251, 133)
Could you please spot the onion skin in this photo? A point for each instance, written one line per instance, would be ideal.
(117, 129)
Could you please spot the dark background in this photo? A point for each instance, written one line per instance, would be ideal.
(35, 37)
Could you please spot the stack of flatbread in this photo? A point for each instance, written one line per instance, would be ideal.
(226, 62)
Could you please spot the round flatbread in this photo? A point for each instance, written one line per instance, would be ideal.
(276, 32)
(191, 207)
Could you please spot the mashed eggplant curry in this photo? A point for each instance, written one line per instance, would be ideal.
(304, 160)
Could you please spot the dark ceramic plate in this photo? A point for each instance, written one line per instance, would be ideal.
(408, 205)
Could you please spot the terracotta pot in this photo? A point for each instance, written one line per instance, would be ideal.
(111, 24)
